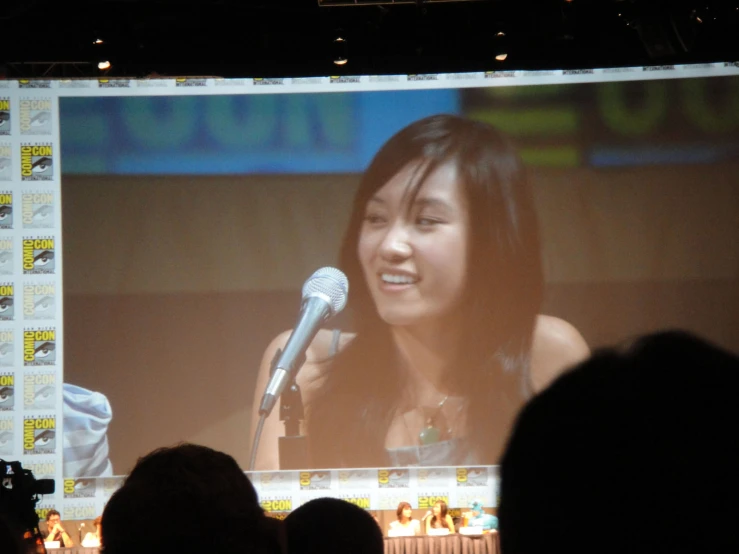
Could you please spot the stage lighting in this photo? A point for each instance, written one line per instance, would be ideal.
(340, 50)
(500, 46)
(97, 40)
(103, 65)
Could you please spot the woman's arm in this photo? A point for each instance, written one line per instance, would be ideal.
(268, 457)
(450, 524)
(416, 527)
(428, 524)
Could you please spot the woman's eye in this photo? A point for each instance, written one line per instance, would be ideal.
(427, 221)
(374, 219)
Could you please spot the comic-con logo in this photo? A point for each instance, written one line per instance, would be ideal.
(6, 210)
(37, 162)
(393, 478)
(114, 83)
(34, 83)
(6, 256)
(38, 256)
(39, 300)
(111, 484)
(7, 391)
(261, 81)
(358, 500)
(37, 210)
(4, 116)
(43, 509)
(83, 511)
(6, 435)
(315, 480)
(273, 504)
(39, 435)
(79, 488)
(43, 469)
(433, 477)
(388, 499)
(472, 476)
(278, 480)
(426, 501)
(6, 347)
(355, 479)
(35, 116)
(336, 79)
(39, 391)
(6, 162)
(189, 82)
(7, 301)
(39, 347)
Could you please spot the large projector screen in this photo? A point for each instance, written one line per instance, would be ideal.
(546, 215)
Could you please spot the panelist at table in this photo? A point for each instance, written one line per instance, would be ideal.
(92, 539)
(439, 518)
(56, 530)
(405, 525)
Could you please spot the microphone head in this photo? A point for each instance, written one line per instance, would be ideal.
(330, 284)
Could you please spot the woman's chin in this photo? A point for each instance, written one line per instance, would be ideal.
(397, 318)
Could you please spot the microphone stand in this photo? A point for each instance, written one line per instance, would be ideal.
(292, 446)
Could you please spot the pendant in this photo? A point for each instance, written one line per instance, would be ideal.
(429, 435)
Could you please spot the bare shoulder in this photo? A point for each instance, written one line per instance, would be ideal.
(557, 347)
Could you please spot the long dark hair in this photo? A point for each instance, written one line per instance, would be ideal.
(443, 511)
(349, 418)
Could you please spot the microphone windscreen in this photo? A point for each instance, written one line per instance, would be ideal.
(331, 284)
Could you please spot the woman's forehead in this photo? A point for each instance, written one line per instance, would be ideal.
(418, 183)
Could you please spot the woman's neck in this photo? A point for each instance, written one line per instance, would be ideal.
(426, 353)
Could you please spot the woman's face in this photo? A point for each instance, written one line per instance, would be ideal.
(413, 251)
(437, 510)
(407, 513)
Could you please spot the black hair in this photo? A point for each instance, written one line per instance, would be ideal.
(348, 420)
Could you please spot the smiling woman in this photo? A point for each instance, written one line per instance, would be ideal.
(442, 253)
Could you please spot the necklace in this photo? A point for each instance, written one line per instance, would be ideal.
(432, 433)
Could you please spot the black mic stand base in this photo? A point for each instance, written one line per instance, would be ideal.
(292, 448)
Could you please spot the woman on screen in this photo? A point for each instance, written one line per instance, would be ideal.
(405, 522)
(443, 258)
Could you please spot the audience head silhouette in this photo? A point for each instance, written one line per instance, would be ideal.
(330, 525)
(187, 499)
(635, 450)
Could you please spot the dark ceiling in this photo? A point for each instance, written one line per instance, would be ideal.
(296, 37)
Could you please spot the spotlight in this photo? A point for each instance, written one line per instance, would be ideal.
(340, 49)
(500, 46)
(103, 65)
(97, 40)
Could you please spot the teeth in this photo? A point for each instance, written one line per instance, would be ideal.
(398, 279)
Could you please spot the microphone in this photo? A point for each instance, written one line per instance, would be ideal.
(426, 516)
(324, 295)
(79, 531)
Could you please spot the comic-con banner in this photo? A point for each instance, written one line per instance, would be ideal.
(31, 376)
(379, 489)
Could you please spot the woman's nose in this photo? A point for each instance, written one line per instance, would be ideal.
(396, 244)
